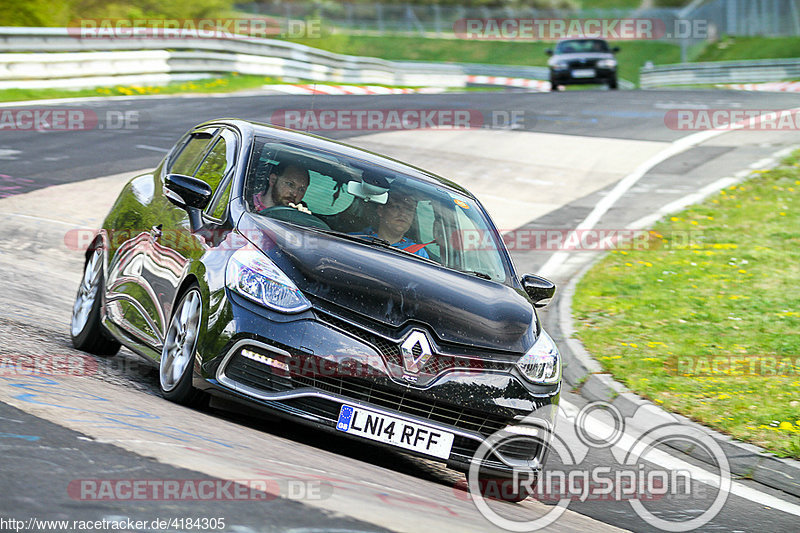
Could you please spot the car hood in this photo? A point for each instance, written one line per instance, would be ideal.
(393, 289)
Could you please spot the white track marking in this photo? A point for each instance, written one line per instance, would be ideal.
(553, 264)
(152, 148)
(670, 462)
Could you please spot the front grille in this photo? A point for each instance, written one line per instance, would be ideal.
(257, 375)
(520, 448)
(464, 449)
(380, 392)
(577, 63)
(389, 349)
(436, 364)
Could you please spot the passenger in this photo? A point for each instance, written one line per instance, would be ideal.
(394, 220)
(287, 186)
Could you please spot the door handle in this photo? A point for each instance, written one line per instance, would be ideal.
(155, 232)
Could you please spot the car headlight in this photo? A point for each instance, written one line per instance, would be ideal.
(542, 363)
(607, 63)
(255, 276)
(558, 64)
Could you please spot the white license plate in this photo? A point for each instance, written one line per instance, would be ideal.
(583, 73)
(390, 430)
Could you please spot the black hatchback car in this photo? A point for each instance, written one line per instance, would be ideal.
(582, 61)
(264, 265)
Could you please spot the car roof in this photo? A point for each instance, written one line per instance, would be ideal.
(336, 147)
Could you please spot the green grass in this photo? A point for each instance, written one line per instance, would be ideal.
(233, 82)
(738, 48)
(609, 4)
(730, 290)
(230, 83)
(632, 55)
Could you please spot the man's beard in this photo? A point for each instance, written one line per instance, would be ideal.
(275, 198)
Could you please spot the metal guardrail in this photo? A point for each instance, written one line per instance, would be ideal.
(54, 57)
(58, 56)
(720, 72)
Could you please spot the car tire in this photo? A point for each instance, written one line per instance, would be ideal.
(612, 84)
(176, 366)
(553, 87)
(86, 328)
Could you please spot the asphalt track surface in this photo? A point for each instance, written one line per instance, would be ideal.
(52, 433)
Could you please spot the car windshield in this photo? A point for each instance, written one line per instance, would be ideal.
(580, 46)
(357, 200)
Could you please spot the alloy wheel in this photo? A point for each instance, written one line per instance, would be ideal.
(179, 346)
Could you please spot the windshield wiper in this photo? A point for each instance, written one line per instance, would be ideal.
(373, 240)
(370, 239)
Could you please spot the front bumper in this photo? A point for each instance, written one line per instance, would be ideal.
(567, 77)
(307, 367)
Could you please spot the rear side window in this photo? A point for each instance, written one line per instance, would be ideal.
(189, 157)
(216, 164)
(216, 170)
(217, 209)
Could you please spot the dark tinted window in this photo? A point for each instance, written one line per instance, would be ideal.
(187, 160)
(349, 196)
(581, 46)
(216, 170)
(215, 165)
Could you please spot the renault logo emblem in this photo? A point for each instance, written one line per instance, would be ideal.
(416, 350)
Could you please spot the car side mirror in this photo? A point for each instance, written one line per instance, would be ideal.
(538, 289)
(549, 51)
(615, 50)
(187, 192)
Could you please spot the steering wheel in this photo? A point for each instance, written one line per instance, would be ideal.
(290, 214)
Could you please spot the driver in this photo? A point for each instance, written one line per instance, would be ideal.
(287, 186)
(394, 220)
